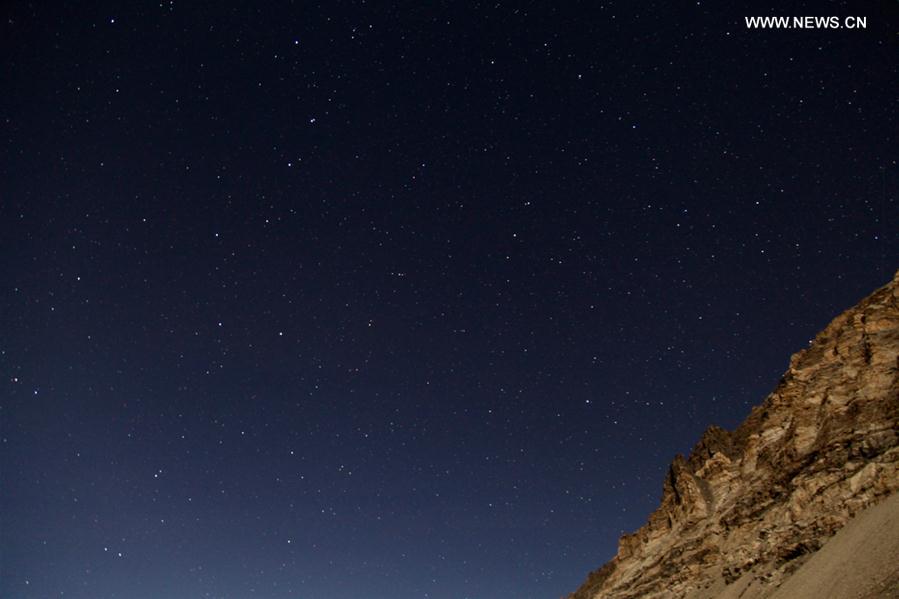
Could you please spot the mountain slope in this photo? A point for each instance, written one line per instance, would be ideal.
(747, 508)
(861, 561)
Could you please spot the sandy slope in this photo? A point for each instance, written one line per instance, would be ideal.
(860, 562)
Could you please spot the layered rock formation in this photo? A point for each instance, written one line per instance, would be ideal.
(748, 507)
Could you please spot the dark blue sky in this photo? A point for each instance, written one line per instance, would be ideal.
(367, 299)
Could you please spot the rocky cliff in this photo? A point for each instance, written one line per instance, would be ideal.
(748, 507)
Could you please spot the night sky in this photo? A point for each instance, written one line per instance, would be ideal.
(400, 300)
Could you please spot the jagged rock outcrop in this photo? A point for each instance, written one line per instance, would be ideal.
(748, 507)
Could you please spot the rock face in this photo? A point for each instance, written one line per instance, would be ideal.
(748, 507)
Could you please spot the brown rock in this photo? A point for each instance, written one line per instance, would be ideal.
(747, 508)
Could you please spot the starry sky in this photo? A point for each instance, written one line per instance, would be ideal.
(400, 300)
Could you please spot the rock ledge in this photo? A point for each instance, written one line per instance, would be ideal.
(746, 508)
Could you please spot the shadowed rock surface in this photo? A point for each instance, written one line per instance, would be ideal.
(747, 509)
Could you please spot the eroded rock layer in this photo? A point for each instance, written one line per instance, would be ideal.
(748, 507)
